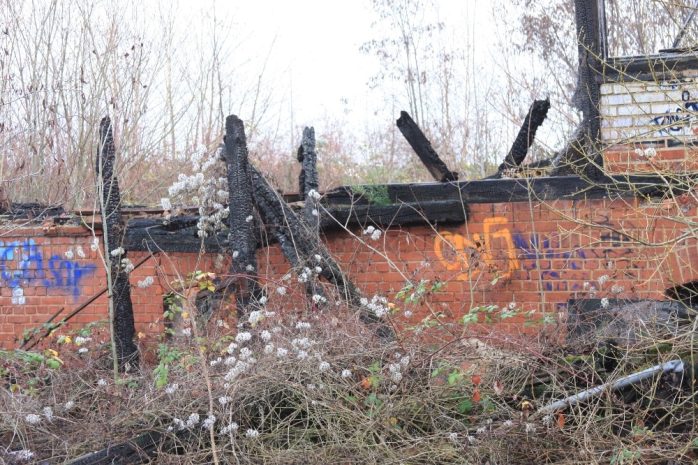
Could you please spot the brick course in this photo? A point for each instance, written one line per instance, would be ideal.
(538, 255)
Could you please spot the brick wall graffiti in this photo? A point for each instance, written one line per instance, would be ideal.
(500, 251)
(538, 252)
(471, 255)
(22, 264)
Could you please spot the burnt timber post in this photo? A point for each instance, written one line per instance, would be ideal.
(422, 147)
(524, 139)
(299, 246)
(308, 188)
(588, 92)
(242, 240)
(123, 326)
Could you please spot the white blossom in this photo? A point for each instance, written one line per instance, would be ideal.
(313, 194)
(127, 265)
(165, 203)
(318, 299)
(32, 419)
(302, 325)
(94, 245)
(269, 348)
(324, 366)
(603, 280)
(263, 300)
(249, 268)
(80, 340)
(252, 433)
(208, 422)
(230, 428)
(245, 353)
(281, 352)
(317, 257)
(249, 219)
(171, 388)
(117, 252)
(83, 350)
(186, 332)
(530, 428)
(302, 355)
(236, 254)
(617, 289)
(453, 437)
(231, 348)
(265, 336)
(193, 420)
(255, 317)
(68, 405)
(68, 254)
(346, 373)
(604, 302)
(22, 455)
(101, 382)
(48, 413)
(243, 337)
(376, 235)
(146, 282)
(281, 290)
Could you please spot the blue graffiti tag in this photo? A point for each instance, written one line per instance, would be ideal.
(538, 252)
(29, 269)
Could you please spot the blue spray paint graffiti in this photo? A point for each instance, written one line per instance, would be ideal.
(22, 264)
(539, 253)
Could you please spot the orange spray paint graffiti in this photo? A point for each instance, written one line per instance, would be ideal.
(471, 255)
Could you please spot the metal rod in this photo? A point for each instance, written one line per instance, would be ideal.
(675, 366)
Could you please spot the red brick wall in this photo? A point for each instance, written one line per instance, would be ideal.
(537, 255)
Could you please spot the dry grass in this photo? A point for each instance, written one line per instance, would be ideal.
(403, 402)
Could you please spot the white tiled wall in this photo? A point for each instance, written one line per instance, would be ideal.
(646, 111)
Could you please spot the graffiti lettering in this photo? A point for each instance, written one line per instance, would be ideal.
(22, 264)
(675, 120)
(470, 255)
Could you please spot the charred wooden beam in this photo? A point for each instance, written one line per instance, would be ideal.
(308, 187)
(243, 241)
(141, 449)
(300, 246)
(422, 147)
(582, 155)
(123, 325)
(524, 139)
(179, 234)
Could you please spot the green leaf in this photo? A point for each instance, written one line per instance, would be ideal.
(465, 406)
(454, 377)
(53, 363)
(161, 374)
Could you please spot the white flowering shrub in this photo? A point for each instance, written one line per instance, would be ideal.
(313, 385)
(206, 188)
